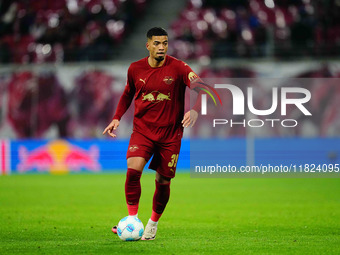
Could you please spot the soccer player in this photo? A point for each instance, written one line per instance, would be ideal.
(157, 83)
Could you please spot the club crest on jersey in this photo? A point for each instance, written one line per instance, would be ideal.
(168, 80)
(192, 76)
(155, 97)
(133, 148)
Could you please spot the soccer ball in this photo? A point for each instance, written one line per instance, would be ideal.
(130, 228)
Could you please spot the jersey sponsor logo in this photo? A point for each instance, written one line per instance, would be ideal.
(133, 148)
(143, 80)
(162, 97)
(168, 80)
(149, 97)
(192, 76)
(155, 97)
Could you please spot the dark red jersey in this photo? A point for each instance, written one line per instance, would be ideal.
(159, 97)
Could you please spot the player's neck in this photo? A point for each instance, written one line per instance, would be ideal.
(154, 63)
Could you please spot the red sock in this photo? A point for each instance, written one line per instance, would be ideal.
(160, 199)
(132, 190)
(155, 216)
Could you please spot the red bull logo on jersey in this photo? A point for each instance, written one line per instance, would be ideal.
(58, 157)
(149, 97)
(162, 97)
(155, 97)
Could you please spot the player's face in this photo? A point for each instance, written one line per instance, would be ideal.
(158, 47)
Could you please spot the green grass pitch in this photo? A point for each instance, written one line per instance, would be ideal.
(73, 214)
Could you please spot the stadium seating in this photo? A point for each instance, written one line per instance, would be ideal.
(42, 31)
(256, 28)
(92, 30)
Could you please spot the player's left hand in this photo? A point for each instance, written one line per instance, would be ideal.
(190, 118)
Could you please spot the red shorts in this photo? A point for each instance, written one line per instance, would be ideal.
(165, 155)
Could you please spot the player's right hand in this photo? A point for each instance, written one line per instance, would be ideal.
(112, 126)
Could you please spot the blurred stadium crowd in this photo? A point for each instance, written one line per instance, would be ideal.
(37, 31)
(92, 30)
(257, 28)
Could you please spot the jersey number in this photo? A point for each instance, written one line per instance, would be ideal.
(173, 161)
